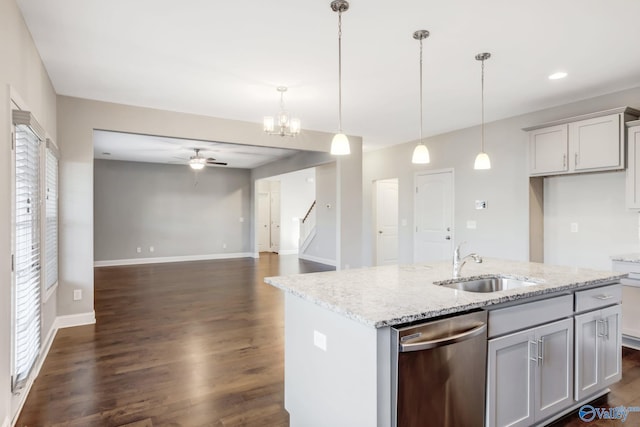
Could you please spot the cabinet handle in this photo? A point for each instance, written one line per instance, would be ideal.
(576, 160)
(541, 351)
(603, 297)
(606, 328)
(598, 323)
(564, 161)
(537, 356)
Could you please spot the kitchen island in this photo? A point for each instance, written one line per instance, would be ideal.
(338, 328)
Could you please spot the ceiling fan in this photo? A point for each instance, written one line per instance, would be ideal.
(198, 162)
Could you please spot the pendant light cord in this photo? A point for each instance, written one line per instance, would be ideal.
(340, 71)
(421, 91)
(482, 101)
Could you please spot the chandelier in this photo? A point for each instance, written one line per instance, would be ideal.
(282, 124)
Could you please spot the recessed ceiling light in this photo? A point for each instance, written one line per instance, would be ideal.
(558, 75)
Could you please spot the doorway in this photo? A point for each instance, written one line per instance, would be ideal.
(386, 231)
(433, 216)
(268, 216)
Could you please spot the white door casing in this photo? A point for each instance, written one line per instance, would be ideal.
(264, 221)
(386, 221)
(275, 216)
(433, 216)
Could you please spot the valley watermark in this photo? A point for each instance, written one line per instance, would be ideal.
(588, 413)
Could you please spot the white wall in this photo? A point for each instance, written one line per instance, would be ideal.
(144, 204)
(596, 203)
(297, 192)
(22, 70)
(323, 247)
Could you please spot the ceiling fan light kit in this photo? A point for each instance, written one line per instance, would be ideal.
(287, 125)
(421, 152)
(340, 142)
(197, 162)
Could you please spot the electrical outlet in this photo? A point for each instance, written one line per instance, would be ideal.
(320, 340)
(77, 294)
(471, 225)
(574, 227)
(224, 246)
(151, 249)
(241, 219)
(139, 249)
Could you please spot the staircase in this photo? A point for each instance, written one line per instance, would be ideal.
(307, 228)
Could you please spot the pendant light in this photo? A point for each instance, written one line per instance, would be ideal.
(340, 142)
(482, 159)
(421, 152)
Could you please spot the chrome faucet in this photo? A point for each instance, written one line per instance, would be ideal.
(458, 262)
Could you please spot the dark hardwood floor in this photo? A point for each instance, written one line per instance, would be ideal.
(194, 344)
(183, 344)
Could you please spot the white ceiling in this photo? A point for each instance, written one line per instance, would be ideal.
(225, 59)
(155, 149)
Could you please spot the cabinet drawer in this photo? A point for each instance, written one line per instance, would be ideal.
(598, 297)
(517, 317)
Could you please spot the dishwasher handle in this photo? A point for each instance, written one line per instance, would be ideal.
(441, 342)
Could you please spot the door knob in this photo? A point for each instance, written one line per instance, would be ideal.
(447, 238)
(379, 231)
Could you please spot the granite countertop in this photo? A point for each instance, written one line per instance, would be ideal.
(627, 257)
(392, 295)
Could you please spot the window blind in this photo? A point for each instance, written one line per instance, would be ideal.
(26, 262)
(51, 216)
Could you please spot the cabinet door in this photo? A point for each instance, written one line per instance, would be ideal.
(554, 378)
(548, 149)
(587, 358)
(633, 171)
(611, 345)
(511, 364)
(596, 144)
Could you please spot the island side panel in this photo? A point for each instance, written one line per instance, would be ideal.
(336, 387)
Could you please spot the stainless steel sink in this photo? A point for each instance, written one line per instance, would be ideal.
(488, 284)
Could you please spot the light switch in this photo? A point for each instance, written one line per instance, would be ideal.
(471, 224)
(481, 204)
(574, 227)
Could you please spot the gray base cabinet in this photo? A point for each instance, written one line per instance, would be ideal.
(530, 374)
(598, 350)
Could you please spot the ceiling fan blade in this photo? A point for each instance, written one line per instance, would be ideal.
(217, 163)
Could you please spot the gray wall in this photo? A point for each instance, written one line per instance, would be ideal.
(23, 76)
(502, 229)
(145, 204)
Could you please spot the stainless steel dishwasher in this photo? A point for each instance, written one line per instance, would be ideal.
(439, 372)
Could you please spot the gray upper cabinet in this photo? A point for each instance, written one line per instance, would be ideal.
(548, 150)
(588, 143)
(633, 172)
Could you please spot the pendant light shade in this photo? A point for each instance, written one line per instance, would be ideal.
(421, 152)
(482, 159)
(340, 145)
(420, 155)
(340, 142)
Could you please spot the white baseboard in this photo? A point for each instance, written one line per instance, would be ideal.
(158, 260)
(46, 346)
(72, 320)
(288, 252)
(307, 257)
(631, 342)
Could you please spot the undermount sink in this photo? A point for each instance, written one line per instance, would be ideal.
(488, 284)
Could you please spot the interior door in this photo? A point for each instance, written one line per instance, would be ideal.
(386, 222)
(264, 221)
(275, 216)
(433, 216)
